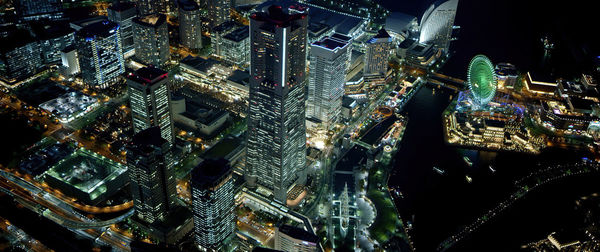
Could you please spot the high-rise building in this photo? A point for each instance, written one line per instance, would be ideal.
(327, 76)
(146, 7)
(123, 13)
(217, 33)
(20, 56)
(69, 61)
(151, 178)
(436, 24)
(100, 54)
(213, 204)
(293, 239)
(53, 38)
(348, 40)
(151, 39)
(150, 101)
(377, 53)
(276, 152)
(190, 24)
(218, 11)
(39, 9)
(236, 47)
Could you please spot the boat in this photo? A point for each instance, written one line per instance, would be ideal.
(468, 161)
(439, 171)
(492, 169)
(469, 179)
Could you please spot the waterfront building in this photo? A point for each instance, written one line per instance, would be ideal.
(377, 53)
(151, 178)
(190, 24)
(436, 24)
(100, 54)
(213, 204)
(150, 101)
(123, 13)
(147, 7)
(39, 9)
(151, 38)
(276, 152)
(294, 239)
(328, 64)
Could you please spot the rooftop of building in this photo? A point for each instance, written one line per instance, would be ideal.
(188, 5)
(238, 34)
(50, 30)
(382, 33)
(407, 43)
(148, 75)
(148, 137)
(16, 37)
(152, 20)
(226, 26)
(277, 14)
(119, 6)
(298, 233)
(329, 43)
(199, 64)
(103, 28)
(399, 22)
(348, 102)
(210, 173)
(224, 147)
(341, 37)
(240, 77)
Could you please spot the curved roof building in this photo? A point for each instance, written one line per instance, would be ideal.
(436, 24)
(482, 80)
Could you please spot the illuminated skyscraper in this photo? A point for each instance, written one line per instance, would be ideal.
(100, 54)
(376, 56)
(123, 13)
(151, 178)
(150, 101)
(327, 76)
(276, 152)
(146, 7)
(436, 24)
(151, 38)
(218, 11)
(190, 24)
(39, 9)
(213, 204)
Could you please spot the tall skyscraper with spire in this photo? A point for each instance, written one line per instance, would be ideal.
(276, 149)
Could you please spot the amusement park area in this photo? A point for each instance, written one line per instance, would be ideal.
(504, 110)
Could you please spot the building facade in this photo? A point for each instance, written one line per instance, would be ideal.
(150, 101)
(293, 239)
(20, 57)
(276, 152)
(100, 54)
(190, 24)
(377, 53)
(436, 24)
(147, 7)
(327, 76)
(39, 9)
(218, 11)
(151, 178)
(151, 37)
(235, 47)
(213, 204)
(123, 13)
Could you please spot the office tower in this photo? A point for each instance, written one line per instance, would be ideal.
(100, 54)
(190, 24)
(218, 11)
(293, 239)
(151, 178)
(39, 9)
(327, 76)
(146, 7)
(377, 53)
(53, 38)
(216, 36)
(20, 56)
(236, 47)
(150, 101)
(348, 40)
(69, 61)
(213, 204)
(123, 13)
(436, 24)
(151, 38)
(276, 152)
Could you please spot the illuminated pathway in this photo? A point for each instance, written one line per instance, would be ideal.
(524, 186)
